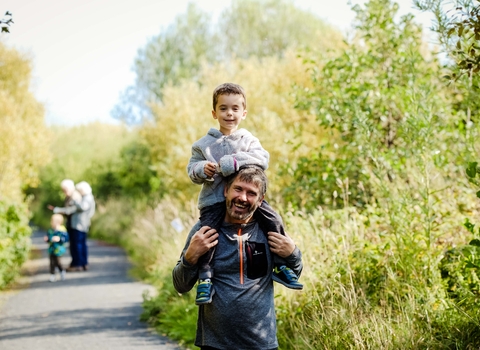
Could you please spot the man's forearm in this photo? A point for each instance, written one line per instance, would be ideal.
(184, 275)
(294, 261)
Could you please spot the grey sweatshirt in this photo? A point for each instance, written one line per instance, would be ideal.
(80, 210)
(242, 313)
(230, 152)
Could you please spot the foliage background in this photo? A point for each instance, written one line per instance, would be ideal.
(369, 143)
(24, 145)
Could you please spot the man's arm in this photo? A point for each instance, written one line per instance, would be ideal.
(285, 247)
(199, 241)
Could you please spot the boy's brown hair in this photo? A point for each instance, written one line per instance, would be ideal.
(229, 89)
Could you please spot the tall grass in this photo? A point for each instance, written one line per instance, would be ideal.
(371, 277)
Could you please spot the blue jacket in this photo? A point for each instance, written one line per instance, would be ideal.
(57, 248)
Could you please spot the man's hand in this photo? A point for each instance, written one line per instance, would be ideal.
(209, 169)
(201, 242)
(281, 245)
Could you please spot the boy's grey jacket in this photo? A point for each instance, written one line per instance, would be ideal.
(79, 210)
(241, 316)
(230, 152)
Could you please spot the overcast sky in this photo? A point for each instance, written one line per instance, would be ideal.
(83, 50)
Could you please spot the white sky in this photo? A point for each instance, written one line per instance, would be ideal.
(83, 50)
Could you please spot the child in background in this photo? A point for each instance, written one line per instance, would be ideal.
(217, 155)
(56, 236)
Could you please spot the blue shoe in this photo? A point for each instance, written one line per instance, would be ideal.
(205, 292)
(285, 275)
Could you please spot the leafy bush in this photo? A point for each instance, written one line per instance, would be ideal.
(14, 240)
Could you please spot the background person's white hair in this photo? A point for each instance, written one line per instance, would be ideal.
(84, 188)
(67, 184)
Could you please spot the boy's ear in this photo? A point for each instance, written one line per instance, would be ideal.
(244, 114)
(214, 115)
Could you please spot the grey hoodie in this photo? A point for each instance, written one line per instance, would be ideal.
(230, 152)
(80, 210)
(242, 313)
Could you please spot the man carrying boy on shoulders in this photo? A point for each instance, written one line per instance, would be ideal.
(243, 314)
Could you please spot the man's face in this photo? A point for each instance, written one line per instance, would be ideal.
(242, 199)
(67, 191)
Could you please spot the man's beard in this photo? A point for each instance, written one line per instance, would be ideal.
(244, 215)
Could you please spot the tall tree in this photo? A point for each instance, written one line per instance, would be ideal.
(378, 96)
(263, 28)
(176, 53)
(253, 28)
(24, 138)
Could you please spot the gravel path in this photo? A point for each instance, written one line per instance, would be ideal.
(97, 309)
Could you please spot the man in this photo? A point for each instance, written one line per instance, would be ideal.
(242, 312)
(78, 212)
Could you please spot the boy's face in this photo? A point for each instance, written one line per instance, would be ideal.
(229, 112)
(53, 223)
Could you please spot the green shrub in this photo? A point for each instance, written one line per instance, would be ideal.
(14, 240)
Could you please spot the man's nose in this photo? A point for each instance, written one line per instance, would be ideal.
(242, 196)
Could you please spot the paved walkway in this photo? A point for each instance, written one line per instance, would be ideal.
(97, 309)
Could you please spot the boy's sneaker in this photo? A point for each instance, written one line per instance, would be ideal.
(287, 277)
(52, 278)
(62, 275)
(205, 292)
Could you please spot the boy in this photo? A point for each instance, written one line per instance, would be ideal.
(56, 236)
(217, 155)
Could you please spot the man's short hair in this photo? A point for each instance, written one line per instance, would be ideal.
(229, 89)
(251, 174)
(67, 184)
(84, 188)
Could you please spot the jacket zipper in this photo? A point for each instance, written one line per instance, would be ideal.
(240, 246)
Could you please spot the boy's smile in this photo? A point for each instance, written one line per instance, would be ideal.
(229, 112)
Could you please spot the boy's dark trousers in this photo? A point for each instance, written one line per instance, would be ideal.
(213, 216)
(55, 262)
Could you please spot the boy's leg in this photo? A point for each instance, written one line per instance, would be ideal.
(213, 217)
(52, 268)
(270, 221)
(52, 264)
(62, 270)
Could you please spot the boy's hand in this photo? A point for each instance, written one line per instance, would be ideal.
(209, 169)
(55, 239)
(45, 238)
